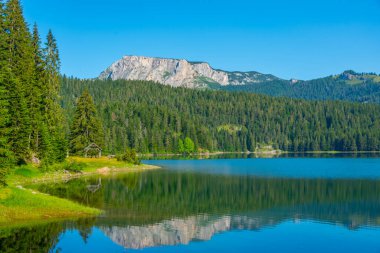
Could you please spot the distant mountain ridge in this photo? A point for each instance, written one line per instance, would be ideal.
(349, 85)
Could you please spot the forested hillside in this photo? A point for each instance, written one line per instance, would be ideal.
(349, 86)
(153, 118)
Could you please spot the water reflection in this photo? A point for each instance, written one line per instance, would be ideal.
(180, 230)
(174, 207)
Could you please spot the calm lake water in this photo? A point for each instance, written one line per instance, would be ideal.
(221, 205)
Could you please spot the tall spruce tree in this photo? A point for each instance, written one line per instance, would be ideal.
(53, 111)
(5, 82)
(86, 127)
(37, 99)
(5, 153)
(20, 79)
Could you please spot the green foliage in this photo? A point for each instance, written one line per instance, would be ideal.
(181, 147)
(3, 173)
(25, 171)
(86, 127)
(129, 156)
(153, 118)
(231, 129)
(68, 165)
(73, 166)
(6, 156)
(32, 123)
(189, 146)
(362, 88)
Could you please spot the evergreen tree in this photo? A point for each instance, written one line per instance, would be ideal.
(5, 153)
(189, 145)
(19, 43)
(53, 113)
(37, 98)
(20, 79)
(181, 147)
(86, 127)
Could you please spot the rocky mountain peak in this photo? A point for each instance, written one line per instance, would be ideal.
(178, 72)
(173, 72)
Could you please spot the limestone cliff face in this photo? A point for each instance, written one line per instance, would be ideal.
(177, 73)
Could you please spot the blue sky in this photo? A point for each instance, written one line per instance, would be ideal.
(291, 39)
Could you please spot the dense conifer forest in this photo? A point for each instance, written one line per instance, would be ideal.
(155, 118)
(363, 88)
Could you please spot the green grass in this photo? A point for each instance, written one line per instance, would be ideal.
(91, 164)
(26, 171)
(25, 205)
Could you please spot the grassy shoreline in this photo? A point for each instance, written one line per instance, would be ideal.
(20, 205)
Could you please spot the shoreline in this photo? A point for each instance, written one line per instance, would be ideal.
(103, 171)
(274, 152)
(20, 205)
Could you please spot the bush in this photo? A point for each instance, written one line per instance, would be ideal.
(129, 156)
(69, 165)
(73, 166)
(3, 173)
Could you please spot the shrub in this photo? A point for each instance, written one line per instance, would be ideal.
(73, 166)
(68, 165)
(129, 156)
(3, 173)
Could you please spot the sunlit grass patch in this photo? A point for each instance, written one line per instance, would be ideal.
(95, 163)
(26, 205)
(26, 171)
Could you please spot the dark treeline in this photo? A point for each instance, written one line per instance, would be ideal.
(153, 118)
(31, 122)
(328, 88)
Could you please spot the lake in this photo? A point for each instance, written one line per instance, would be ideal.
(219, 205)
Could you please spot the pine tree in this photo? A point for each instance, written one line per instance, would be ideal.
(20, 44)
(53, 111)
(86, 127)
(37, 100)
(6, 156)
(53, 65)
(20, 79)
(4, 49)
(5, 153)
(181, 147)
(189, 145)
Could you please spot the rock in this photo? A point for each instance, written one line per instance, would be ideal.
(35, 160)
(178, 73)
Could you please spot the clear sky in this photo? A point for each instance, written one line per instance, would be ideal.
(301, 39)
